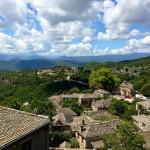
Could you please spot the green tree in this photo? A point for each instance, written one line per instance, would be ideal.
(43, 108)
(129, 138)
(74, 105)
(126, 138)
(122, 109)
(118, 107)
(74, 90)
(104, 78)
(145, 89)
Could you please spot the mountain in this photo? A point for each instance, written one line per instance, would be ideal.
(105, 58)
(38, 63)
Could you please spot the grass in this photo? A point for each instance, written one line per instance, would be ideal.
(105, 117)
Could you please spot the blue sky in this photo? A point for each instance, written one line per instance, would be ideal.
(74, 27)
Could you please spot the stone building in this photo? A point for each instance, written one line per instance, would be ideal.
(102, 93)
(127, 90)
(23, 131)
(142, 122)
(89, 133)
(83, 98)
(143, 106)
(64, 116)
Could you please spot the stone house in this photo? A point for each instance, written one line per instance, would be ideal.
(83, 98)
(142, 122)
(127, 90)
(23, 131)
(90, 133)
(143, 106)
(64, 116)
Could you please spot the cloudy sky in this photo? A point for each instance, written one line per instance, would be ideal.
(74, 27)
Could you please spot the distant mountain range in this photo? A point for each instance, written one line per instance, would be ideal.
(37, 63)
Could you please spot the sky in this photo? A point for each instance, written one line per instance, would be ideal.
(74, 27)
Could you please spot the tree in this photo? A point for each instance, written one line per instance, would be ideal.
(145, 89)
(122, 109)
(104, 78)
(74, 105)
(44, 108)
(74, 90)
(126, 138)
(129, 138)
(118, 107)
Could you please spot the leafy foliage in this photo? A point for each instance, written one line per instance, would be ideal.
(74, 105)
(104, 78)
(126, 138)
(122, 109)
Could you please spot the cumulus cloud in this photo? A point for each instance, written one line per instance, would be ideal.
(56, 11)
(66, 27)
(12, 12)
(118, 17)
(134, 46)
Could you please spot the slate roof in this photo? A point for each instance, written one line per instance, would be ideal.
(97, 130)
(101, 103)
(101, 91)
(81, 95)
(59, 119)
(143, 119)
(62, 113)
(145, 104)
(15, 124)
(93, 130)
(67, 112)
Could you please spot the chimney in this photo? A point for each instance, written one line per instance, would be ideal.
(83, 122)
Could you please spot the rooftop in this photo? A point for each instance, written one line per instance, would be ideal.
(145, 104)
(101, 91)
(67, 111)
(102, 103)
(143, 119)
(97, 130)
(15, 124)
(94, 129)
(81, 95)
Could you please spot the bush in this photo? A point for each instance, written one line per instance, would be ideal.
(74, 143)
(73, 105)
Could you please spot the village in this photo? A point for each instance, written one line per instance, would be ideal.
(28, 130)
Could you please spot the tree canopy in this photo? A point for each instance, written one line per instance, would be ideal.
(124, 139)
(104, 78)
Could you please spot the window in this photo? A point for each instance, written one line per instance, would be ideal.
(26, 145)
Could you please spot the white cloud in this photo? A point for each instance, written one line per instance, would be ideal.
(119, 16)
(56, 11)
(87, 39)
(134, 46)
(12, 12)
(66, 26)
